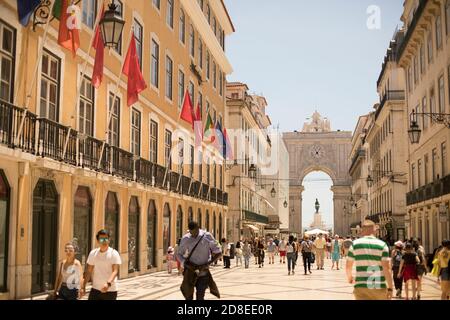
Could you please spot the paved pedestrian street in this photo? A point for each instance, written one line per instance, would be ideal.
(268, 283)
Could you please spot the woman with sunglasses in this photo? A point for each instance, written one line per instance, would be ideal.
(69, 279)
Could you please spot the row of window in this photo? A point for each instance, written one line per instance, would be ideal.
(381, 135)
(421, 171)
(423, 225)
(382, 203)
(433, 41)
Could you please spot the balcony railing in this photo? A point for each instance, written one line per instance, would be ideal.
(255, 217)
(432, 190)
(390, 95)
(46, 138)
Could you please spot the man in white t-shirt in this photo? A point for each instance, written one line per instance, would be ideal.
(103, 267)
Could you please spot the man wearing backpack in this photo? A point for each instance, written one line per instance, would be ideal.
(396, 258)
(291, 248)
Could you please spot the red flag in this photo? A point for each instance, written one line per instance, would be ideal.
(68, 36)
(187, 113)
(97, 74)
(132, 70)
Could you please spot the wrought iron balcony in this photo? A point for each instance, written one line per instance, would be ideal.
(185, 185)
(122, 163)
(390, 95)
(144, 171)
(52, 139)
(255, 217)
(175, 181)
(89, 150)
(195, 189)
(432, 190)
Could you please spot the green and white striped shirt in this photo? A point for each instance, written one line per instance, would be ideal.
(368, 252)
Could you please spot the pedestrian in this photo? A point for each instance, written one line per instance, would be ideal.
(408, 269)
(170, 259)
(238, 253)
(291, 248)
(328, 250)
(306, 249)
(320, 247)
(444, 274)
(261, 253)
(335, 252)
(282, 250)
(371, 257)
(69, 279)
(396, 258)
(103, 267)
(175, 255)
(346, 244)
(271, 249)
(202, 251)
(247, 253)
(226, 247)
(422, 267)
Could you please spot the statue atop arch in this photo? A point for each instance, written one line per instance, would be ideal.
(317, 124)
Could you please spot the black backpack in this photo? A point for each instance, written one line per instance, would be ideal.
(397, 259)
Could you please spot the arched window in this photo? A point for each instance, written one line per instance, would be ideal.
(82, 223)
(112, 219)
(190, 215)
(4, 229)
(133, 235)
(166, 228)
(207, 225)
(179, 229)
(151, 235)
(220, 226)
(199, 218)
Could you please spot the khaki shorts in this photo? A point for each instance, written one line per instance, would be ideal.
(370, 294)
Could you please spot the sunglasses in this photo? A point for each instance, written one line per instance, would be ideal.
(103, 240)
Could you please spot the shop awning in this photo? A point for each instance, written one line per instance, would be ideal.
(250, 226)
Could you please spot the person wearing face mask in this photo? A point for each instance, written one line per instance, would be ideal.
(103, 267)
(69, 279)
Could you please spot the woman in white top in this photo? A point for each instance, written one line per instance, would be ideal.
(70, 276)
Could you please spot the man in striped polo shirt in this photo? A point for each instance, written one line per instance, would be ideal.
(371, 257)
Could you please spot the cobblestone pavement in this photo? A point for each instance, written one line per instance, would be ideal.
(268, 283)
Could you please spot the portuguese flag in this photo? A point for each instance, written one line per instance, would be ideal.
(209, 135)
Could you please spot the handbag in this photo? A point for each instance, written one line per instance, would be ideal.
(436, 268)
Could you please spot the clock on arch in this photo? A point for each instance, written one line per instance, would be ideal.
(317, 152)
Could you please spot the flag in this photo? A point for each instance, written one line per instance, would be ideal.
(97, 74)
(198, 127)
(187, 112)
(132, 70)
(209, 129)
(219, 141)
(68, 36)
(228, 147)
(25, 9)
(57, 9)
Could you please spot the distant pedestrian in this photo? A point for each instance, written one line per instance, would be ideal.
(396, 259)
(320, 247)
(408, 269)
(202, 251)
(282, 250)
(261, 252)
(226, 247)
(422, 267)
(170, 259)
(271, 249)
(371, 257)
(175, 254)
(238, 253)
(291, 248)
(444, 274)
(306, 249)
(335, 252)
(328, 249)
(103, 267)
(346, 244)
(247, 253)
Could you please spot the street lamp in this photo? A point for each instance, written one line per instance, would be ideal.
(369, 181)
(111, 26)
(414, 131)
(273, 192)
(285, 204)
(252, 171)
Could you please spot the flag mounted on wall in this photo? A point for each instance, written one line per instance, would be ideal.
(132, 70)
(69, 33)
(97, 74)
(187, 112)
(25, 9)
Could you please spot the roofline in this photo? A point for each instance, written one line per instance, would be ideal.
(228, 15)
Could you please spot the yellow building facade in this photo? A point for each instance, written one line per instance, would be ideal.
(53, 186)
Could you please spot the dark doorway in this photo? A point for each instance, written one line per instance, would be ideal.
(45, 239)
(4, 229)
(82, 223)
(112, 219)
(133, 235)
(151, 235)
(166, 229)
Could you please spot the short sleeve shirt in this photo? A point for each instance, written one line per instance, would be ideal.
(201, 254)
(320, 243)
(103, 266)
(368, 253)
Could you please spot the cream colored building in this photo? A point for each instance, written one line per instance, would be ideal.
(357, 207)
(49, 197)
(424, 55)
(248, 125)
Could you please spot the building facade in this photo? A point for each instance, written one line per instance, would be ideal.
(424, 55)
(249, 194)
(72, 163)
(357, 206)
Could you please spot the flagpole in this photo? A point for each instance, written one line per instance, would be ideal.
(34, 78)
(113, 103)
(83, 72)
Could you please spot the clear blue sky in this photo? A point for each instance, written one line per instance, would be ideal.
(304, 55)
